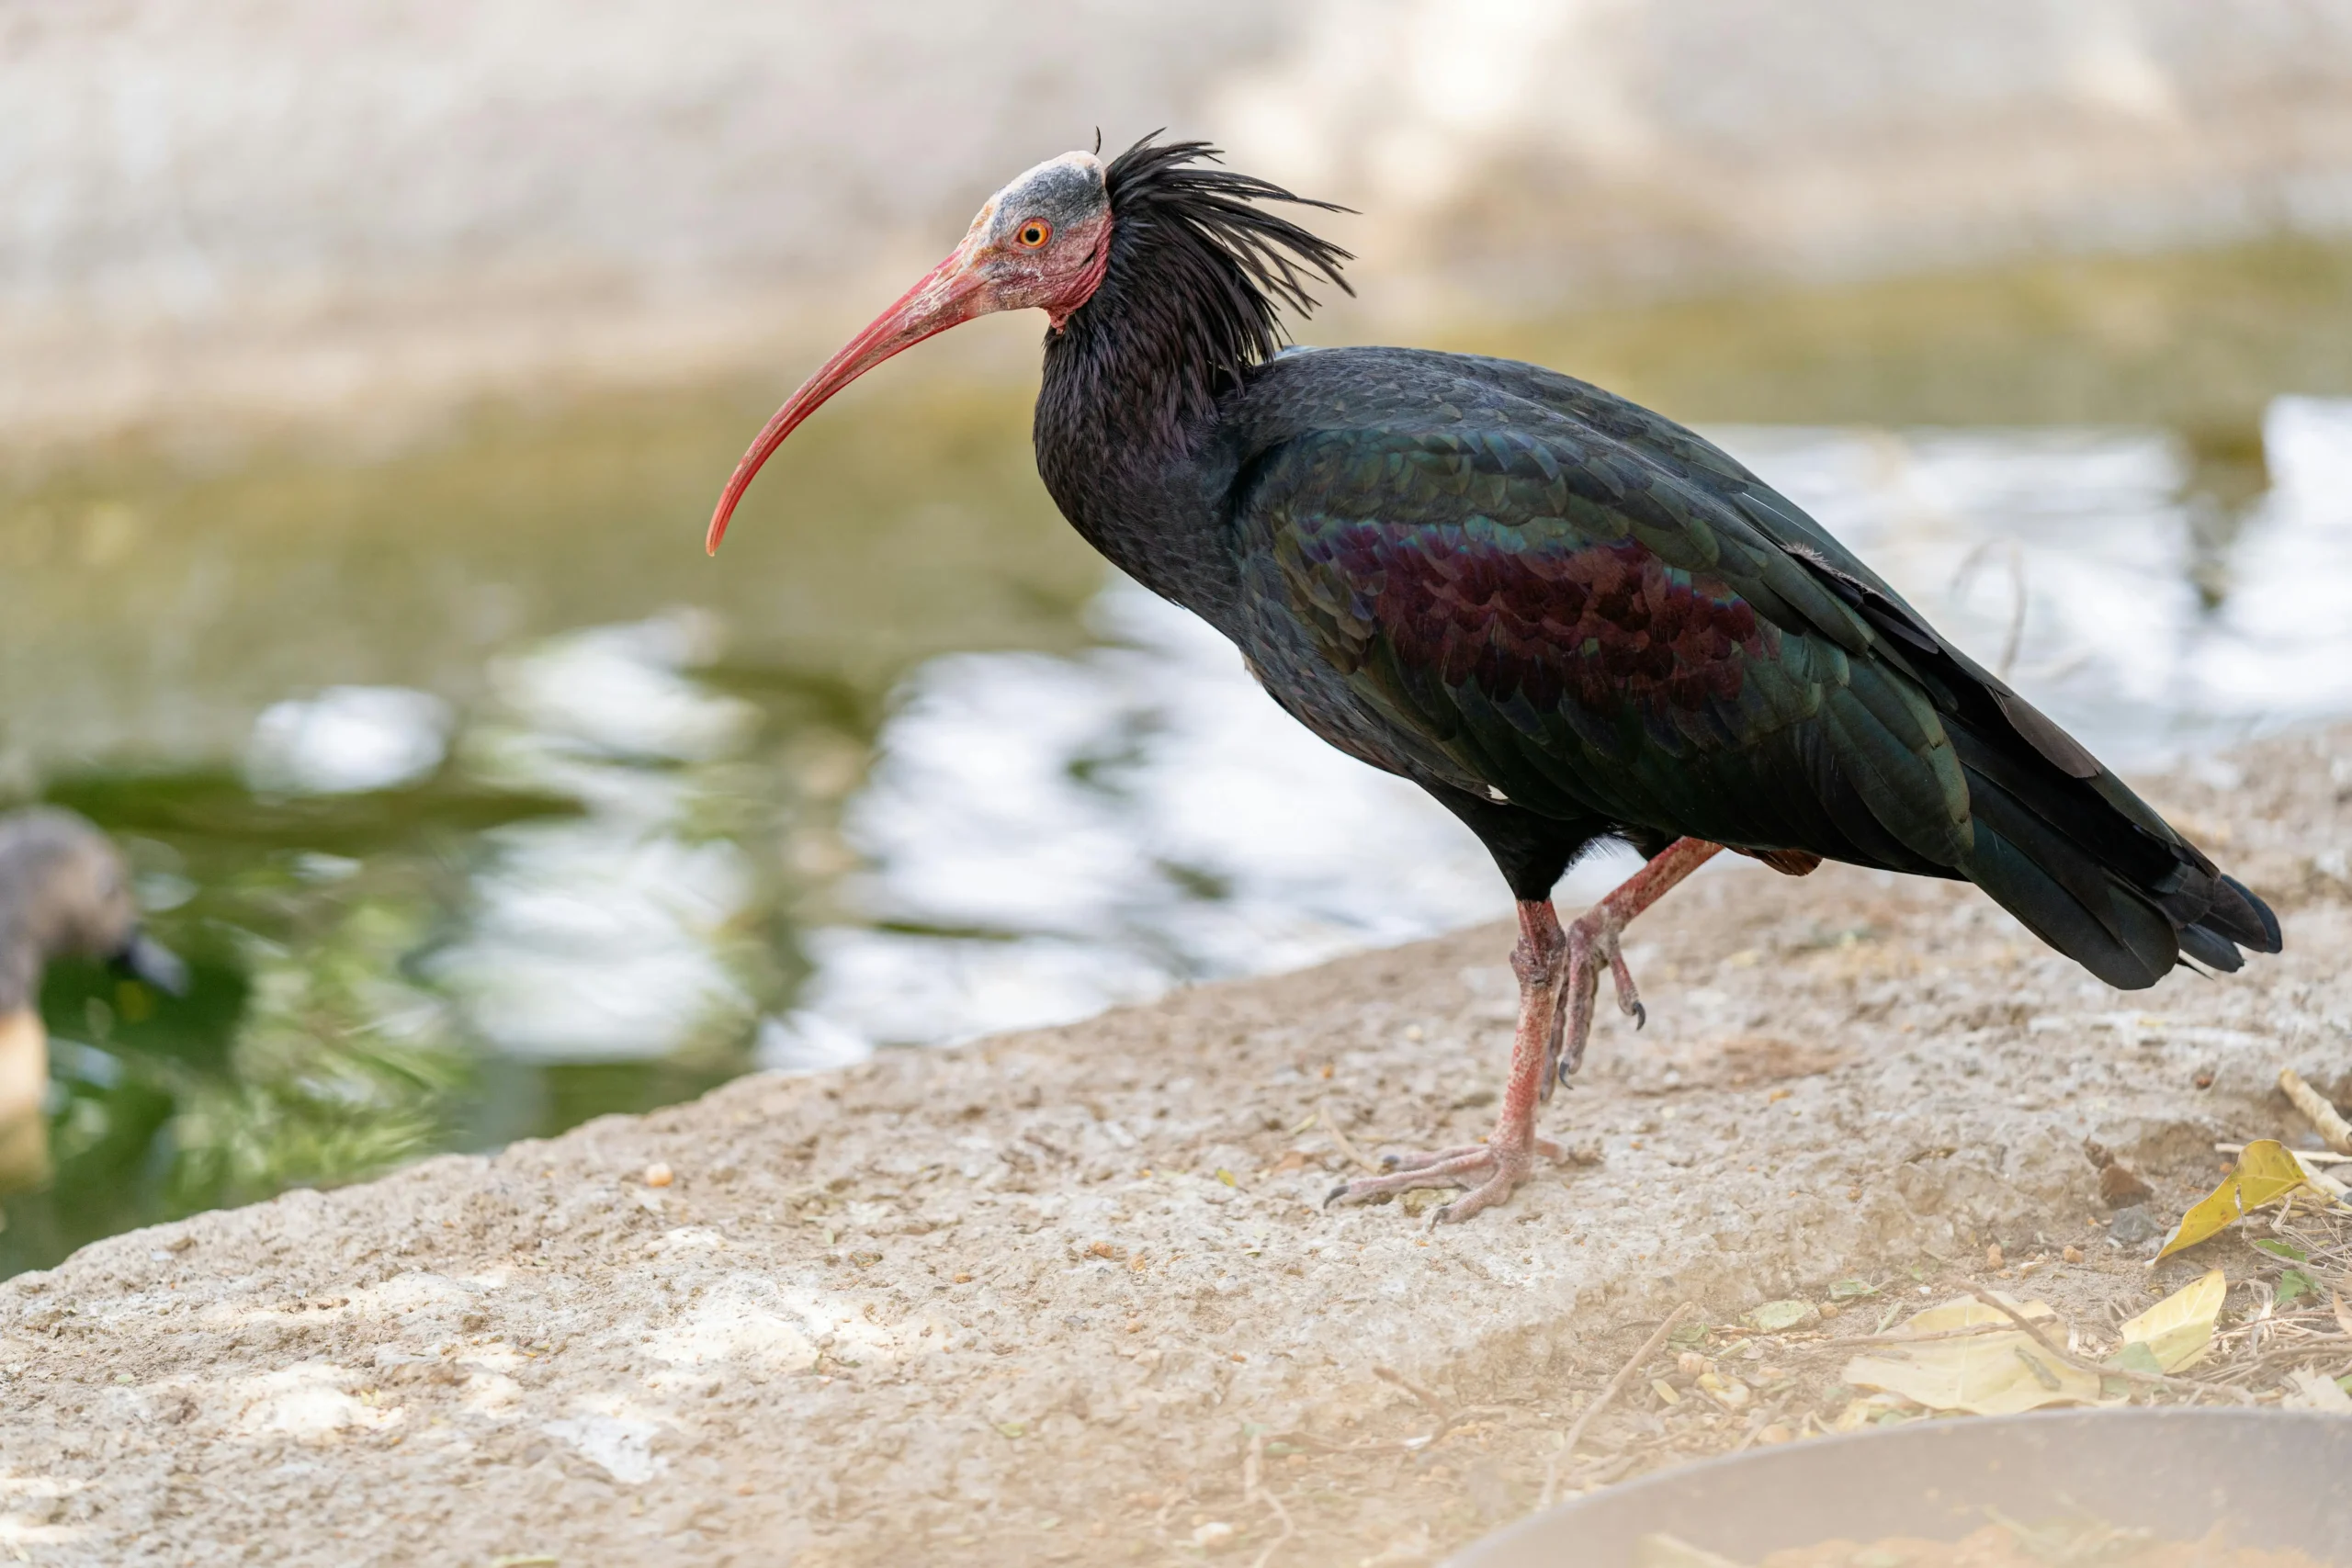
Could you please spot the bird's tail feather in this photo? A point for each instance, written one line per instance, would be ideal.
(2093, 889)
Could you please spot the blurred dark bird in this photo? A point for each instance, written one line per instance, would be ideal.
(65, 893)
(1567, 618)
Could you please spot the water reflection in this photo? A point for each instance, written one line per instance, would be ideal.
(2281, 646)
(602, 936)
(558, 872)
(1043, 837)
(348, 740)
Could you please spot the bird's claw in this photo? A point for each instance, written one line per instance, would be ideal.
(1592, 943)
(1490, 1173)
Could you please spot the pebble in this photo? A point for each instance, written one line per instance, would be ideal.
(2132, 1226)
(659, 1175)
(2073, 1255)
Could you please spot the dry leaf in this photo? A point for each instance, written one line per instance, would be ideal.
(1776, 1317)
(2343, 1312)
(1727, 1392)
(2316, 1390)
(2119, 1187)
(1987, 1374)
(2178, 1330)
(1869, 1409)
(2265, 1173)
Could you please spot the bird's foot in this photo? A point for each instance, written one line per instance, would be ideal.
(1491, 1172)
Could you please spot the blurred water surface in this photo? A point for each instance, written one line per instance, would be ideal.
(482, 803)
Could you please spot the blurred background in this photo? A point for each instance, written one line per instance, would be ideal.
(366, 374)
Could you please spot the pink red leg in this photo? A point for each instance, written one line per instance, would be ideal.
(1559, 979)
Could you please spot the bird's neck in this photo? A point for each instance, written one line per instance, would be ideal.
(1126, 436)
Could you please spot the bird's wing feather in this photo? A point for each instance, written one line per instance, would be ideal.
(1589, 629)
(1565, 597)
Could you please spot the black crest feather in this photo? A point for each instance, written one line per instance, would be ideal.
(1195, 263)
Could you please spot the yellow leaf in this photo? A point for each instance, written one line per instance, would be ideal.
(1984, 1374)
(1868, 1409)
(2266, 1172)
(2178, 1330)
(1967, 1312)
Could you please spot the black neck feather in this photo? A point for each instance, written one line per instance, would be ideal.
(1191, 298)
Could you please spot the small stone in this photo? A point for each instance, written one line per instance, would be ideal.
(1993, 1256)
(1773, 1432)
(1830, 1309)
(2073, 1255)
(659, 1175)
(1212, 1534)
(2132, 1226)
(1691, 1363)
(963, 1278)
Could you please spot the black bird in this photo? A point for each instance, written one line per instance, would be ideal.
(1567, 618)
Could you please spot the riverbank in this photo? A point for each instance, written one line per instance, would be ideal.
(1033, 1300)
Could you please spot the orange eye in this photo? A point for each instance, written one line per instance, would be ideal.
(1035, 233)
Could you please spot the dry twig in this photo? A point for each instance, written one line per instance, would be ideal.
(2317, 1110)
(1437, 1408)
(1609, 1391)
(2317, 1156)
(1339, 1139)
(1252, 1491)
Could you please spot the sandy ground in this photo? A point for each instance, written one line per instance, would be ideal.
(1034, 1301)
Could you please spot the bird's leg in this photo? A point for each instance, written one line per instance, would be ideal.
(1592, 940)
(1541, 962)
(1559, 979)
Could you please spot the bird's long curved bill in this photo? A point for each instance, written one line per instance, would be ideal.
(946, 295)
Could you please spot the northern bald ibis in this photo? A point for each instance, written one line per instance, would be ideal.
(1567, 618)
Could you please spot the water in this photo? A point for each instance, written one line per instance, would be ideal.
(481, 803)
